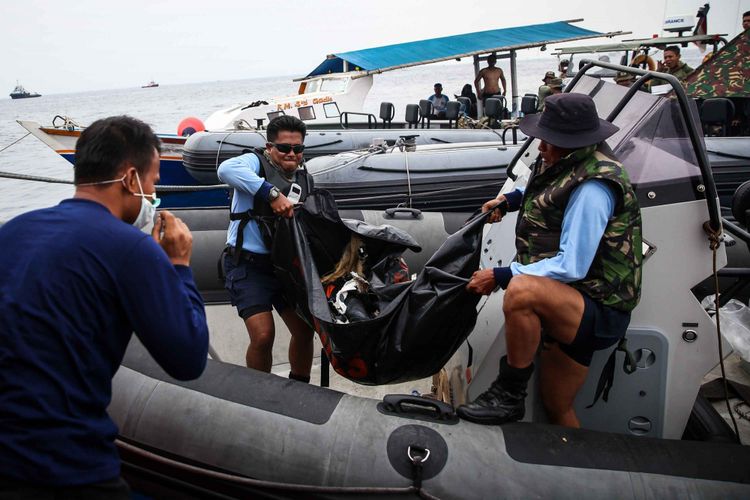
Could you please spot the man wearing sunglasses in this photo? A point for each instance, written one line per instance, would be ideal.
(75, 281)
(263, 182)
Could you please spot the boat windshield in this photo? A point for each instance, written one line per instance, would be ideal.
(333, 84)
(653, 143)
(312, 86)
(614, 57)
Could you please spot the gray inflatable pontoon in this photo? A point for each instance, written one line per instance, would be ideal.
(204, 151)
(192, 438)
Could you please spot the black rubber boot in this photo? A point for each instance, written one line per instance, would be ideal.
(300, 378)
(503, 402)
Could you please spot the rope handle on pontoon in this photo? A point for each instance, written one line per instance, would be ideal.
(417, 461)
(132, 448)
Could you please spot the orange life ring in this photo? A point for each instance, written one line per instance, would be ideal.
(638, 61)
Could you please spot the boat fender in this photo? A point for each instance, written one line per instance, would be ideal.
(607, 377)
(643, 61)
(417, 452)
(190, 125)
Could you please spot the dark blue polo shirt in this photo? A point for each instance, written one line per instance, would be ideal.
(75, 281)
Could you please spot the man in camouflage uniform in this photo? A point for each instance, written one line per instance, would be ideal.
(577, 274)
(553, 86)
(672, 65)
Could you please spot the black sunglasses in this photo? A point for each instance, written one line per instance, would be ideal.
(287, 148)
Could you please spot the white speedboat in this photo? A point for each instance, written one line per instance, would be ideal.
(338, 86)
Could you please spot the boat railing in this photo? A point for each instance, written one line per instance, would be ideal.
(372, 121)
(693, 129)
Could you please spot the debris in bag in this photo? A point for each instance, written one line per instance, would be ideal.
(348, 287)
(397, 329)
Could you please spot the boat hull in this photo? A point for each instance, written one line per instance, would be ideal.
(249, 424)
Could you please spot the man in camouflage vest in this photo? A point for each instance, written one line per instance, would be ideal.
(672, 65)
(577, 274)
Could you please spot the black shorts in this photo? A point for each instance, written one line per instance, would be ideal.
(252, 285)
(601, 327)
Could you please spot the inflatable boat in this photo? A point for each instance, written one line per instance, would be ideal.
(444, 172)
(204, 151)
(236, 432)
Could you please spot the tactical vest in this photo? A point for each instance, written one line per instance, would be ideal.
(614, 278)
(262, 213)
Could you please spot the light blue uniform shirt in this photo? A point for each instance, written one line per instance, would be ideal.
(241, 172)
(589, 209)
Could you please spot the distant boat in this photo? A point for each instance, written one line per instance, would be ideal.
(149, 85)
(21, 93)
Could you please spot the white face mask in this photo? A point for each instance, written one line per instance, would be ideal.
(149, 202)
(148, 207)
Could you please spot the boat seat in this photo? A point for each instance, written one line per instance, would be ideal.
(452, 111)
(387, 112)
(465, 103)
(529, 104)
(493, 109)
(412, 115)
(716, 115)
(425, 110)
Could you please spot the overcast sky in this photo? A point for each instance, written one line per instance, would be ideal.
(53, 46)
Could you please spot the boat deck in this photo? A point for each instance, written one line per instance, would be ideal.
(229, 339)
(737, 370)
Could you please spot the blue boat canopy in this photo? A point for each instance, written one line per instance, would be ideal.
(402, 55)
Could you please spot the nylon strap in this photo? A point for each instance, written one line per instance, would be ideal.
(607, 377)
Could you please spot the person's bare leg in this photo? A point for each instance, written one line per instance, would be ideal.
(530, 303)
(300, 345)
(561, 378)
(533, 302)
(259, 353)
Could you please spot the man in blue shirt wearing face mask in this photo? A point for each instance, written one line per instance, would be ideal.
(75, 281)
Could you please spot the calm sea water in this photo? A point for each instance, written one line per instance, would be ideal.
(165, 106)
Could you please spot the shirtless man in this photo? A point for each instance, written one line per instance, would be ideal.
(490, 77)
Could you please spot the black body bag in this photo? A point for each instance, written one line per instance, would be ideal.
(420, 323)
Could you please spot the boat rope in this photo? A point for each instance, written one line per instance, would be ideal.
(349, 162)
(728, 155)
(218, 151)
(271, 485)
(714, 239)
(413, 195)
(35, 178)
(15, 142)
(178, 189)
(159, 188)
(408, 177)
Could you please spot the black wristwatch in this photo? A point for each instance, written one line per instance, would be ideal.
(273, 193)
